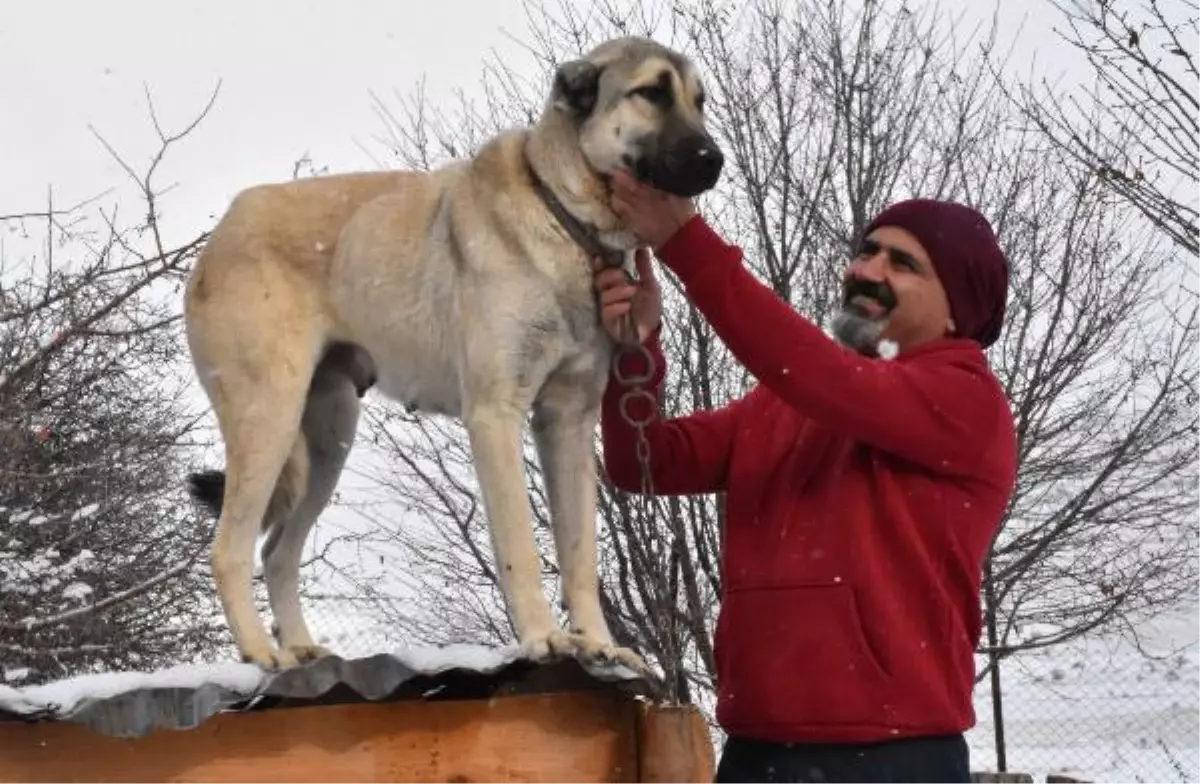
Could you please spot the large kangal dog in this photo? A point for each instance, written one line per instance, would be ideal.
(465, 291)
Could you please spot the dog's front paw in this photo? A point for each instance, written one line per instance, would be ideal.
(270, 658)
(597, 650)
(630, 659)
(307, 653)
(552, 644)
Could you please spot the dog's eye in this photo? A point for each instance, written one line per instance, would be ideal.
(654, 93)
(700, 102)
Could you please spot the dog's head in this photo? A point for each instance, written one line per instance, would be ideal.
(639, 106)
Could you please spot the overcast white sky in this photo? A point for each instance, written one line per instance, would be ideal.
(296, 78)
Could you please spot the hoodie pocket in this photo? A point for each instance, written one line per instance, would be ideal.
(798, 655)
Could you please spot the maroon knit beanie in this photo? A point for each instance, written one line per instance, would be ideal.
(966, 256)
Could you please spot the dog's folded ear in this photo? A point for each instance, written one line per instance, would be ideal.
(576, 84)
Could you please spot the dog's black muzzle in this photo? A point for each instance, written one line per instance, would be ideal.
(687, 168)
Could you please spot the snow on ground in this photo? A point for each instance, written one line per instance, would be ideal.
(1100, 710)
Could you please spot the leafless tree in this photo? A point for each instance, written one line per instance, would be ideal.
(101, 559)
(827, 115)
(1137, 127)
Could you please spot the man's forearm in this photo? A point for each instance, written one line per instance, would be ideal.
(921, 412)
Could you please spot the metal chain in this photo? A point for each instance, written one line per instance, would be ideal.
(635, 384)
(634, 390)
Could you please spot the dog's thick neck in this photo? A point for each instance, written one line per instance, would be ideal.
(552, 148)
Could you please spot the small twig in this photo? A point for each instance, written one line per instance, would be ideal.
(32, 624)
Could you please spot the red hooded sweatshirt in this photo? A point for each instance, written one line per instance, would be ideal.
(861, 497)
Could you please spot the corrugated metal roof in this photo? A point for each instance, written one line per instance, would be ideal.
(135, 704)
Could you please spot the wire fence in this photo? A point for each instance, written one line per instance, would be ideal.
(1098, 708)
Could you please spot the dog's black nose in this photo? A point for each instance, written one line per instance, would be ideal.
(708, 162)
(692, 167)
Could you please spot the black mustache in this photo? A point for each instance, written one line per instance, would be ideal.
(877, 291)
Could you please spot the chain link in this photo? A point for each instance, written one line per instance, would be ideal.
(635, 384)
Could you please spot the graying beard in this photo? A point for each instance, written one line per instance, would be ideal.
(858, 332)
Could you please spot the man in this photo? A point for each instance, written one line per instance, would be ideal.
(862, 487)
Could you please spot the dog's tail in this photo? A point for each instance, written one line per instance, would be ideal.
(207, 488)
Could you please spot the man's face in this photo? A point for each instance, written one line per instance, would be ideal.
(891, 292)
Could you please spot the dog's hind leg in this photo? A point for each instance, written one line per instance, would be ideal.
(258, 441)
(563, 425)
(328, 426)
(255, 357)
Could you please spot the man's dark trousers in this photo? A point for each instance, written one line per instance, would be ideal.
(931, 759)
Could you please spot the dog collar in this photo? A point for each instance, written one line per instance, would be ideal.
(584, 234)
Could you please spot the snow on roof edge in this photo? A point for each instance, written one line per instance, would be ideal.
(130, 704)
